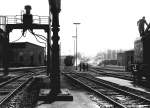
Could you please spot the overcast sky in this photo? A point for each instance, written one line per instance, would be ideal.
(105, 24)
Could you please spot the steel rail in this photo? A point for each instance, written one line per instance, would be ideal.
(97, 92)
(13, 79)
(116, 89)
(99, 71)
(28, 77)
(5, 99)
(10, 80)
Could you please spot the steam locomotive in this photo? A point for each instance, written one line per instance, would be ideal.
(141, 63)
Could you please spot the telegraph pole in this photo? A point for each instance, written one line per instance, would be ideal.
(76, 43)
(74, 49)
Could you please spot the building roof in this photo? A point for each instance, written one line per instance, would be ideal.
(131, 50)
(22, 45)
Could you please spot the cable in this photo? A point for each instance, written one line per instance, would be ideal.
(36, 37)
(19, 37)
(39, 35)
(40, 38)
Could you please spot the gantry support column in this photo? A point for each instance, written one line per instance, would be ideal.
(6, 53)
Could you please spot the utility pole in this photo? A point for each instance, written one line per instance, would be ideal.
(76, 43)
(74, 49)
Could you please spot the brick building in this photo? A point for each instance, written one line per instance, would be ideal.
(26, 54)
(129, 59)
(121, 58)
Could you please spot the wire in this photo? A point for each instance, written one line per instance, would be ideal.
(39, 35)
(36, 37)
(40, 38)
(19, 38)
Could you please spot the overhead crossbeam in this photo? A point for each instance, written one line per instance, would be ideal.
(10, 27)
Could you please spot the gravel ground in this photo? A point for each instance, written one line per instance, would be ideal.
(26, 98)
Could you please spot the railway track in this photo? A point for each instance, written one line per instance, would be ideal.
(117, 97)
(122, 75)
(24, 68)
(10, 88)
(17, 74)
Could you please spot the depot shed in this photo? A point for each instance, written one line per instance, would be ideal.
(26, 54)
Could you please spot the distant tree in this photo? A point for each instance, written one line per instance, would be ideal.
(85, 59)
